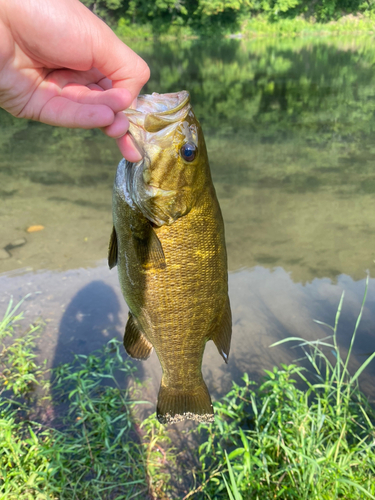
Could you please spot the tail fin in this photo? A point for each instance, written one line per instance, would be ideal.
(177, 405)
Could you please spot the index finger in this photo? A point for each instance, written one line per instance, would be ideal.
(119, 63)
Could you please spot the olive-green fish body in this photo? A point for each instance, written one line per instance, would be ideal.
(172, 264)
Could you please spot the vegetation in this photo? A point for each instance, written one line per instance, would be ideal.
(191, 17)
(96, 450)
(280, 440)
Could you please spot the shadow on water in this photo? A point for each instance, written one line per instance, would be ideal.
(91, 319)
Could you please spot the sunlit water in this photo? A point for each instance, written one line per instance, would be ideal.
(290, 130)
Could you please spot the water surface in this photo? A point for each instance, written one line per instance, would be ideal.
(290, 129)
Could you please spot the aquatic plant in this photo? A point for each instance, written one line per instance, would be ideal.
(281, 441)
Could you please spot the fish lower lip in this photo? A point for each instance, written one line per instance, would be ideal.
(156, 191)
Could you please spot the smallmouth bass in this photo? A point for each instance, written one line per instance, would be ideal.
(169, 248)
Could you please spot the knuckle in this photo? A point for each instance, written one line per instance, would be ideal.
(143, 72)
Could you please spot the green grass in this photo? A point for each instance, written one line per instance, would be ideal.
(278, 441)
(19, 372)
(127, 31)
(305, 434)
(96, 450)
(251, 27)
(298, 26)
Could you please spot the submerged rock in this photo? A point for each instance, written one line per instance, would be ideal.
(19, 242)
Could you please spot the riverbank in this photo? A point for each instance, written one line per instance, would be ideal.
(254, 27)
(78, 435)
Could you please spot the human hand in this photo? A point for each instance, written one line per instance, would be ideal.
(61, 65)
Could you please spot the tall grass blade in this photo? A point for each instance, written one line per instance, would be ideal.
(361, 368)
(234, 490)
(356, 486)
(230, 494)
(356, 328)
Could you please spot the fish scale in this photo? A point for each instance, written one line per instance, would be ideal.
(173, 275)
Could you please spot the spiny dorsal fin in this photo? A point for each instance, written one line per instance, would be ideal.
(135, 343)
(112, 250)
(149, 249)
(222, 333)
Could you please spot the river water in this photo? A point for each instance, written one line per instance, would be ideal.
(290, 131)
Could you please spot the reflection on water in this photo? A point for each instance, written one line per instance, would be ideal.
(290, 129)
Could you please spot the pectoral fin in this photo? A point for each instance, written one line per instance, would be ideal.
(135, 343)
(149, 249)
(222, 332)
(112, 250)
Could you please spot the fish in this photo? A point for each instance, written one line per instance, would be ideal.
(168, 245)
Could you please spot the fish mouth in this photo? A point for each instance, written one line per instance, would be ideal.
(153, 191)
(162, 104)
(154, 113)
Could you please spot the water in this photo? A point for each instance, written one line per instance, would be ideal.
(290, 128)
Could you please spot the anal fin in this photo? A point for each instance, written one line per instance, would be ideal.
(221, 334)
(135, 343)
(112, 250)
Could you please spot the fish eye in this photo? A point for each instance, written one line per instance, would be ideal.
(188, 151)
